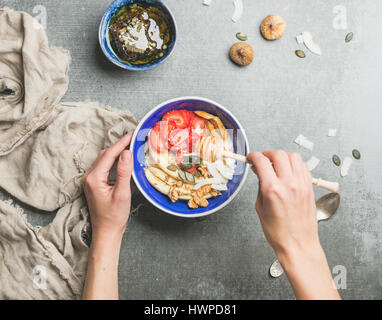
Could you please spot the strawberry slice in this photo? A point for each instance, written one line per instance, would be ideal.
(180, 117)
(159, 135)
(178, 138)
(193, 139)
(192, 170)
(197, 124)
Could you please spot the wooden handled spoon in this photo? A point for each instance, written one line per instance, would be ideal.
(328, 185)
(212, 148)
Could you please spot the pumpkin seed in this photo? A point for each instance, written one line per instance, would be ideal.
(172, 167)
(356, 154)
(186, 166)
(300, 53)
(336, 159)
(182, 175)
(241, 36)
(189, 177)
(194, 159)
(349, 37)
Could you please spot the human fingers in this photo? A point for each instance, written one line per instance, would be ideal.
(297, 164)
(262, 167)
(108, 157)
(280, 161)
(124, 170)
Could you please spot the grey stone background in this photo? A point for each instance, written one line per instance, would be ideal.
(225, 256)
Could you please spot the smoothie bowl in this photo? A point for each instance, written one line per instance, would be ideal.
(176, 166)
(137, 34)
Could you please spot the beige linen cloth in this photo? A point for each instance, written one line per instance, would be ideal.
(45, 147)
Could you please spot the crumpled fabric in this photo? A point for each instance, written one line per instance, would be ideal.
(45, 148)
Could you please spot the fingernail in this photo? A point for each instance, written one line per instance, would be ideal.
(126, 156)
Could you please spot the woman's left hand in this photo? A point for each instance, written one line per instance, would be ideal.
(109, 206)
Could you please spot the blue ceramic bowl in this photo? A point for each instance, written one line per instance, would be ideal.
(180, 208)
(106, 47)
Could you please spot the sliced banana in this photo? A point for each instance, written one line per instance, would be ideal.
(162, 176)
(204, 115)
(218, 124)
(162, 186)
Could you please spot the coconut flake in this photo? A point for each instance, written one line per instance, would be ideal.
(310, 44)
(346, 166)
(220, 187)
(332, 132)
(207, 2)
(214, 172)
(300, 39)
(238, 10)
(231, 163)
(225, 171)
(304, 142)
(205, 182)
(312, 163)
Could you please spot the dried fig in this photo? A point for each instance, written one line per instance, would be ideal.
(273, 27)
(241, 53)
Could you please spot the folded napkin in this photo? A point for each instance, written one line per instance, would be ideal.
(45, 148)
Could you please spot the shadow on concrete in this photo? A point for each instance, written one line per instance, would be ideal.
(153, 218)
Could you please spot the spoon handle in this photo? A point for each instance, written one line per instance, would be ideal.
(235, 156)
(329, 185)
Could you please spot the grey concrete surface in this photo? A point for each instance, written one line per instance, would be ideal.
(276, 98)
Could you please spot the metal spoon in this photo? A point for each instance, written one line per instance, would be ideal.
(326, 207)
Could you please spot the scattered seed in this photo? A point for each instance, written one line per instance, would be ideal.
(349, 37)
(241, 36)
(172, 167)
(356, 154)
(186, 166)
(336, 159)
(300, 53)
(194, 159)
(182, 175)
(189, 177)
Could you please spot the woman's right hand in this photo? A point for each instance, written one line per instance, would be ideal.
(287, 212)
(285, 202)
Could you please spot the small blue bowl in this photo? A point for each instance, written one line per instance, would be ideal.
(103, 34)
(180, 208)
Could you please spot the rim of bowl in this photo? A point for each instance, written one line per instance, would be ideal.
(224, 204)
(125, 66)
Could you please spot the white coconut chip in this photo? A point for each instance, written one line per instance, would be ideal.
(213, 171)
(310, 44)
(207, 2)
(220, 187)
(312, 163)
(304, 142)
(205, 182)
(332, 132)
(300, 39)
(238, 10)
(346, 166)
(231, 163)
(225, 171)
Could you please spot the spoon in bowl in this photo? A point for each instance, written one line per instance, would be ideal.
(211, 148)
(326, 208)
